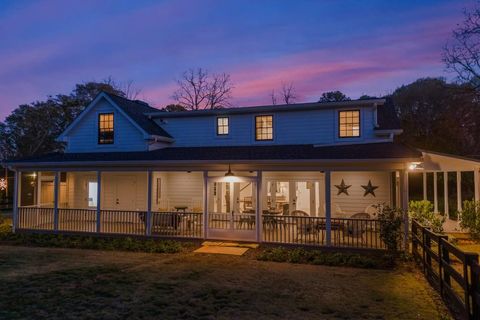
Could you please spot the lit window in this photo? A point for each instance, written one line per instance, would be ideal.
(222, 126)
(349, 123)
(105, 128)
(264, 128)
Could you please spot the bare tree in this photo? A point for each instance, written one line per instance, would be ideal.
(127, 88)
(197, 90)
(219, 91)
(273, 97)
(288, 93)
(462, 53)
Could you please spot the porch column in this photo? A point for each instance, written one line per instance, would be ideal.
(258, 209)
(476, 177)
(404, 205)
(56, 188)
(16, 187)
(99, 199)
(459, 195)
(435, 193)
(424, 180)
(445, 193)
(148, 218)
(328, 208)
(205, 203)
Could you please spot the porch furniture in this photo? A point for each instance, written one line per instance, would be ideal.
(357, 228)
(273, 218)
(181, 208)
(163, 219)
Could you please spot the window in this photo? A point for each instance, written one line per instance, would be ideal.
(105, 128)
(264, 128)
(222, 126)
(349, 123)
(92, 193)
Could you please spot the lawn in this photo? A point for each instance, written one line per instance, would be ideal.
(57, 283)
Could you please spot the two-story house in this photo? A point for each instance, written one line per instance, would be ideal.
(307, 173)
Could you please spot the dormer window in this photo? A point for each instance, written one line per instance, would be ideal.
(349, 124)
(222, 126)
(264, 128)
(105, 128)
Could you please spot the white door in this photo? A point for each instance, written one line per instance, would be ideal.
(125, 192)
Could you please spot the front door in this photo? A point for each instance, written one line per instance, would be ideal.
(232, 210)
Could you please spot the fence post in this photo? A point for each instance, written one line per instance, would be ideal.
(469, 259)
(440, 261)
(445, 257)
(424, 261)
(475, 276)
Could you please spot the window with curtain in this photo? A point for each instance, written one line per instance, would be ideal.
(264, 127)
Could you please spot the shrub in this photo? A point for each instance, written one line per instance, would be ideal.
(422, 211)
(390, 220)
(471, 218)
(90, 242)
(318, 257)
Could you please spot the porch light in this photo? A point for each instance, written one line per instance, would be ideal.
(230, 176)
(415, 166)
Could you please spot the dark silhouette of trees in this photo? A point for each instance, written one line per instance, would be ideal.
(462, 53)
(434, 116)
(32, 129)
(333, 96)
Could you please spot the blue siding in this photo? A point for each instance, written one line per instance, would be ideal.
(84, 136)
(302, 127)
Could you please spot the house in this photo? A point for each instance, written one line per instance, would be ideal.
(309, 173)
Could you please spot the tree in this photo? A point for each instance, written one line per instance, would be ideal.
(31, 129)
(287, 94)
(435, 117)
(199, 90)
(462, 53)
(333, 96)
(174, 108)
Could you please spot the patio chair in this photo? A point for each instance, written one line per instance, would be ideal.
(357, 226)
(305, 226)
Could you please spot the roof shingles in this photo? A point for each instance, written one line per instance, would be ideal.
(385, 150)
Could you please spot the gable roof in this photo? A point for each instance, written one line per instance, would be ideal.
(137, 110)
(370, 151)
(134, 110)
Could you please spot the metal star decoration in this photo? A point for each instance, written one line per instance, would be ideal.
(369, 189)
(342, 188)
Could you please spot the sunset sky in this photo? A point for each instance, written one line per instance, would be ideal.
(358, 47)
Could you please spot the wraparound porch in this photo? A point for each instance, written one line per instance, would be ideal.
(286, 207)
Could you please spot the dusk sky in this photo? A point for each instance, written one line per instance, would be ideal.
(358, 47)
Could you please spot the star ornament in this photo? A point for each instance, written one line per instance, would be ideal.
(342, 188)
(369, 189)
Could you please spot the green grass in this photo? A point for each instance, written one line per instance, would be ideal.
(39, 283)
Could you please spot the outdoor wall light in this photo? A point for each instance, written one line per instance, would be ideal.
(415, 166)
